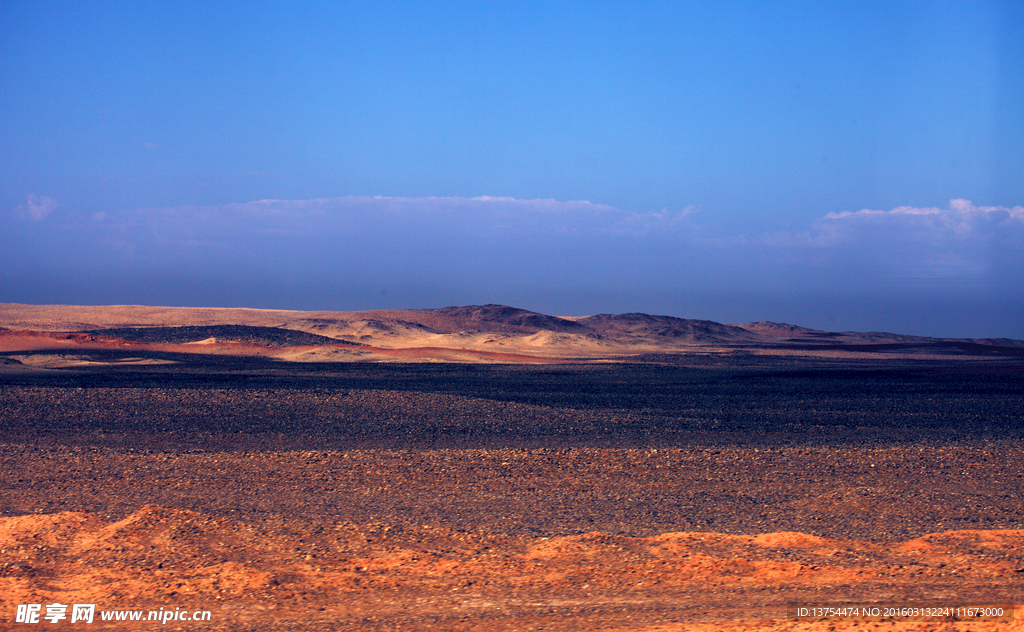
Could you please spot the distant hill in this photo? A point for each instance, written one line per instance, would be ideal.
(460, 333)
(669, 328)
(497, 319)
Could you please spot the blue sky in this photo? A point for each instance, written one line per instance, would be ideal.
(851, 165)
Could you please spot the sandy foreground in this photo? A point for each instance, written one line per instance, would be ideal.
(376, 576)
(498, 539)
(647, 477)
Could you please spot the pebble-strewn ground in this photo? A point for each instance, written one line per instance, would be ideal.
(878, 494)
(227, 403)
(512, 498)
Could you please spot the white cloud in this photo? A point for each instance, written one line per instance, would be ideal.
(956, 207)
(962, 222)
(963, 243)
(459, 216)
(37, 207)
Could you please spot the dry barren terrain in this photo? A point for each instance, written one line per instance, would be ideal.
(616, 473)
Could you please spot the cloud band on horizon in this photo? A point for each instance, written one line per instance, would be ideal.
(446, 250)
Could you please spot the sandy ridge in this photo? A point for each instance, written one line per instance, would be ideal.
(332, 573)
(488, 333)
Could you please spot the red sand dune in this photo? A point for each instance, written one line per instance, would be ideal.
(378, 576)
(25, 340)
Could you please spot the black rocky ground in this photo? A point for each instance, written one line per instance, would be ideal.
(874, 494)
(739, 445)
(446, 475)
(231, 402)
(263, 336)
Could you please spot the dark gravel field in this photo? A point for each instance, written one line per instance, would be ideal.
(224, 402)
(498, 497)
(265, 336)
(890, 494)
(748, 445)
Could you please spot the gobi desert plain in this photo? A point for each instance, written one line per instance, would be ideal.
(490, 468)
